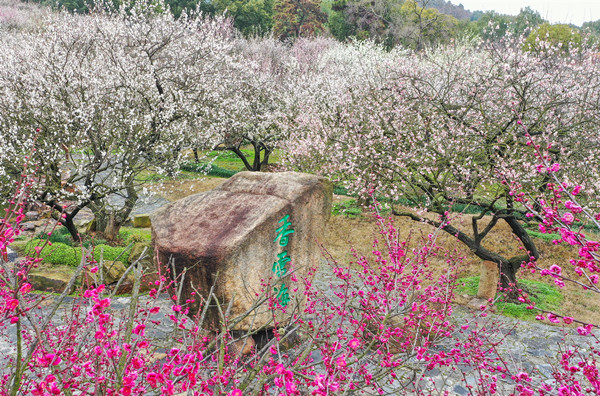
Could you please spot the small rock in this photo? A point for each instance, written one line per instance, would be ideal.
(90, 226)
(124, 300)
(40, 223)
(83, 218)
(146, 265)
(51, 279)
(155, 357)
(83, 223)
(112, 271)
(32, 215)
(476, 303)
(136, 253)
(29, 226)
(141, 221)
(11, 255)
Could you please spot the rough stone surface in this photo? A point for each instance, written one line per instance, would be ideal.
(477, 303)
(146, 264)
(112, 271)
(32, 215)
(231, 231)
(136, 252)
(488, 280)
(29, 226)
(83, 219)
(11, 255)
(53, 279)
(243, 347)
(141, 221)
(41, 223)
(90, 226)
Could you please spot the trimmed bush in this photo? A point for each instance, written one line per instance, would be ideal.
(62, 254)
(111, 253)
(58, 253)
(339, 190)
(60, 234)
(134, 235)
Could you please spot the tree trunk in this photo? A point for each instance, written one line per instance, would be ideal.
(265, 161)
(241, 155)
(109, 222)
(257, 164)
(70, 225)
(508, 276)
(69, 217)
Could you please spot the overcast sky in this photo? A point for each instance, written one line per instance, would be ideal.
(556, 11)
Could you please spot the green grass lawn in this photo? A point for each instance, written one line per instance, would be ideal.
(546, 297)
(227, 159)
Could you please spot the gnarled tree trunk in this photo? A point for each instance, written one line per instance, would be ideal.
(109, 222)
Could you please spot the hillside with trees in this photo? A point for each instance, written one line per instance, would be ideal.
(414, 24)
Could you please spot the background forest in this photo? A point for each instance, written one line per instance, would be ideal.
(410, 23)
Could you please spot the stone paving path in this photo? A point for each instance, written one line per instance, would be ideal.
(524, 346)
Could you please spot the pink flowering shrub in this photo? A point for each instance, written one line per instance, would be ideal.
(562, 208)
(559, 211)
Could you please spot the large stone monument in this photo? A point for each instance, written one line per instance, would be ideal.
(253, 230)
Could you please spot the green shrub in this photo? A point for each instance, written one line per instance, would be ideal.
(546, 297)
(60, 235)
(111, 253)
(94, 242)
(349, 209)
(339, 190)
(58, 253)
(62, 254)
(132, 235)
(466, 209)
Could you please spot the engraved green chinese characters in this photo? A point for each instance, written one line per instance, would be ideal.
(283, 232)
(279, 267)
(282, 295)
